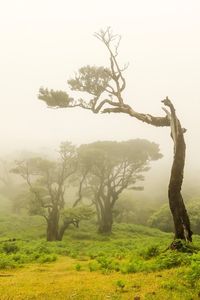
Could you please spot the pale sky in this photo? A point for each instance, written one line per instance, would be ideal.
(43, 42)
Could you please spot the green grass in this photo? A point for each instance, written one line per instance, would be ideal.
(131, 262)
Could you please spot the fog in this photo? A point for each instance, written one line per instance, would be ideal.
(44, 42)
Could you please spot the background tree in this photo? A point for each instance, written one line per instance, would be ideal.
(7, 184)
(5, 176)
(134, 208)
(105, 87)
(110, 168)
(162, 218)
(47, 181)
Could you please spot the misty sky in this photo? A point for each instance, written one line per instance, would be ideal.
(43, 42)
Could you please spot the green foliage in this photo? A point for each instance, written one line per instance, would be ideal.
(108, 263)
(21, 226)
(171, 285)
(43, 248)
(112, 157)
(150, 252)
(162, 218)
(82, 236)
(6, 262)
(47, 258)
(47, 181)
(93, 266)
(193, 274)
(193, 207)
(10, 247)
(111, 167)
(21, 201)
(78, 267)
(172, 259)
(54, 98)
(120, 284)
(93, 80)
(133, 208)
(130, 249)
(138, 151)
(132, 267)
(82, 212)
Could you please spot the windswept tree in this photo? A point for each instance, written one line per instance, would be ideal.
(47, 181)
(105, 87)
(108, 168)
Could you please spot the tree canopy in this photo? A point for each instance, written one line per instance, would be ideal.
(48, 181)
(108, 168)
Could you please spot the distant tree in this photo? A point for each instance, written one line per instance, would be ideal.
(162, 218)
(105, 86)
(5, 177)
(194, 211)
(108, 168)
(47, 181)
(21, 200)
(8, 186)
(133, 208)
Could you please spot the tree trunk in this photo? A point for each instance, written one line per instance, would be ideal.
(98, 212)
(52, 225)
(62, 231)
(177, 206)
(179, 212)
(106, 220)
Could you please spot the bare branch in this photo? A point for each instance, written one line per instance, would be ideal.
(80, 188)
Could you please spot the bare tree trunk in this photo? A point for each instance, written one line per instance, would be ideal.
(65, 225)
(177, 206)
(106, 220)
(52, 225)
(51, 232)
(62, 231)
(98, 212)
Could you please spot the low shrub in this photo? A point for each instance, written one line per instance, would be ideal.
(193, 275)
(150, 252)
(120, 284)
(93, 266)
(132, 267)
(47, 258)
(6, 262)
(105, 262)
(10, 247)
(78, 267)
(171, 259)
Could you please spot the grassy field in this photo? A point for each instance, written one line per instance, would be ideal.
(60, 280)
(132, 263)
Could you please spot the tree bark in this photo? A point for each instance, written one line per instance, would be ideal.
(65, 225)
(177, 206)
(52, 225)
(62, 231)
(106, 220)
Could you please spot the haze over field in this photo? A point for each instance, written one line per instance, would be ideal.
(44, 42)
(97, 199)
